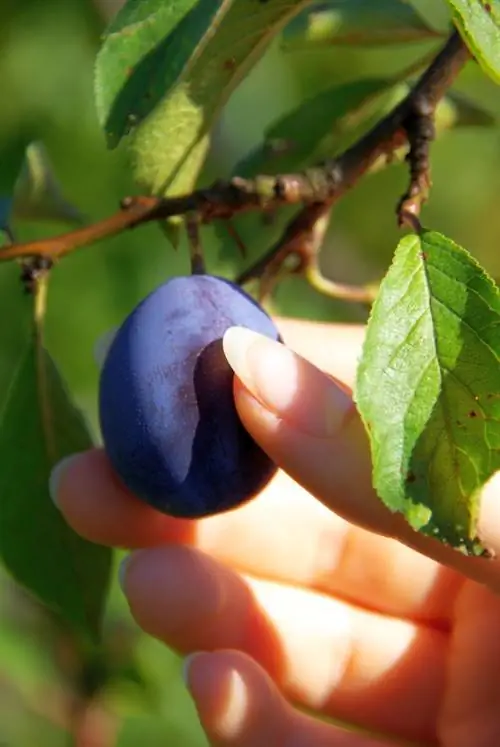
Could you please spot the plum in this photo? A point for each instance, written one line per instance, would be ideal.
(167, 414)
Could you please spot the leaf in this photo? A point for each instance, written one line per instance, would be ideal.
(17, 307)
(457, 110)
(143, 54)
(37, 194)
(322, 126)
(40, 425)
(362, 22)
(427, 387)
(11, 161)
(316, 127)
(168, 149)
(5, 215)
(435, 14)
(479, 24)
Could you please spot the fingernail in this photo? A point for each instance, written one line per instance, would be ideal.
(237, 707)
(287, 384)
(187, 666)
(102, 346)
(56, 475)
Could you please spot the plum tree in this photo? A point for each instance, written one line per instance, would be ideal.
(167, 412)
(251, 176)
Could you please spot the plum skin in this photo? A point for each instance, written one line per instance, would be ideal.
(168, 419)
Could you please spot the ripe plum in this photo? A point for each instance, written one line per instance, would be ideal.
(167, 414)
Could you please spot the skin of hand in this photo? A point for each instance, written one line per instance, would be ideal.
(312, 605)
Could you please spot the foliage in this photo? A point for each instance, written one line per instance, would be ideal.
(426, 387)
(187, 90)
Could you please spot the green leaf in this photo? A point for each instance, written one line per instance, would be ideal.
(144, 53)
(37, 194)
(457, 110)
(168, 149)
(435, 13)
(40, 425)
(479, 23)
(11, 161)
(427, 387)
(317, 127)
(324, 124)
(362, 22)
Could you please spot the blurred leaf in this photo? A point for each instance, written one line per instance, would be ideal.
(11, 161)
(363, 22)
(168, 149)
(37, 194)
(479, 23)
(5, 215)
(315, 126)
(458, 110)
(453, 111)
(427, 387)
(322, 126)
(434, 12)
(144, 52)
(39, 425)
(132, 688)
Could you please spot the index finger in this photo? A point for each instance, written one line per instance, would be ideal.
(309, 425)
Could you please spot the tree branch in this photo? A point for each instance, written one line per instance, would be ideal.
(407, 122)
(318, 188)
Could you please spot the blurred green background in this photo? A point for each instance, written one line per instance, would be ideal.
(47, 52)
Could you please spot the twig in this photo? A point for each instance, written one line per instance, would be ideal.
(195, 249)
(220, 201)
(421, 132)
(410, 121)
(233, 233)
(296, 239)
(317, 188)
(364, 294)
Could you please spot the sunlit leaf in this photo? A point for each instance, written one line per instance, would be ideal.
(479, 23)
(144, 52)
(169, 146)
(427, 387)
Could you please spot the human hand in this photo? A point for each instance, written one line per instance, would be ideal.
(334, 604)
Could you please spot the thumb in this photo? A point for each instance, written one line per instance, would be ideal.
(308, 424)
